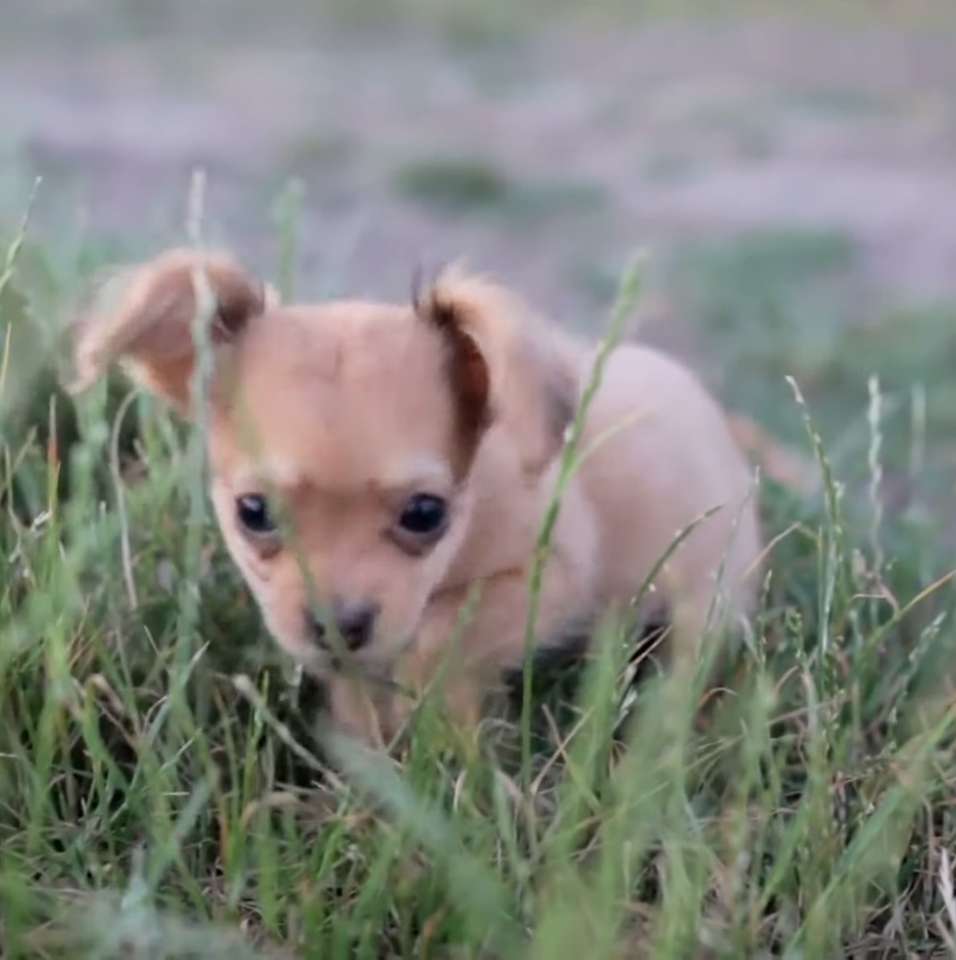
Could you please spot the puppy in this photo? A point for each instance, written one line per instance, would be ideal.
(373, 464)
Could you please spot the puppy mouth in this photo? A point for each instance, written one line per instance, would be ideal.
(374, 660)
(371, 669)
(336, 654)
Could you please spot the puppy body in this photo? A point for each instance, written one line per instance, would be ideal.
(675, 463)
(659, 457)
(412, 453)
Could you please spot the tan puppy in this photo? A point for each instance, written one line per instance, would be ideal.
(371, 463)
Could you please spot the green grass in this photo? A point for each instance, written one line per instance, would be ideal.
(458, 185)
(165, 792)
(778, 303)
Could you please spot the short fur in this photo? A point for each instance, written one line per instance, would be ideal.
(342, 411)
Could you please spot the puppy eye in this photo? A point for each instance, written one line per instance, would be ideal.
(424, 515)
(253, 512)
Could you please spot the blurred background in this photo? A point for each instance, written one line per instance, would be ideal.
(792, 171)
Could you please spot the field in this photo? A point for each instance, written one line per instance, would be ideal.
(165, 791)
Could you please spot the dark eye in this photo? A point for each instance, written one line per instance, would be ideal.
(424, 515)
(253, 512)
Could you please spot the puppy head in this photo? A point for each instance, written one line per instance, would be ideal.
(342, 437)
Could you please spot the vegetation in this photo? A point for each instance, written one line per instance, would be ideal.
(165, 792)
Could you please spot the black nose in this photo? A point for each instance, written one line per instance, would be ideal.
(354, 621)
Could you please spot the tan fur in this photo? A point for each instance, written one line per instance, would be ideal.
(341, 411)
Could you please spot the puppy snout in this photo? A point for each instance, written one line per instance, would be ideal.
(354, 620)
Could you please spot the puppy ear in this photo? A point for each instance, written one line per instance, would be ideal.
(467, 368)
(529, 374)
(144, 317)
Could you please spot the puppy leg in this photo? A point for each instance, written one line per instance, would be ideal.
(355, 708)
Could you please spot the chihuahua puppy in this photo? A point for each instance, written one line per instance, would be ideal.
(373, 464)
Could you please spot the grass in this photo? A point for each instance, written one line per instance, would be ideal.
(778, 303)
(165, 792)
(458, 185)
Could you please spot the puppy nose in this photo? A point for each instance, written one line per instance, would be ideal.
(355, 621)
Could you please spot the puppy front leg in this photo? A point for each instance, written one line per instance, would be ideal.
(355, 708)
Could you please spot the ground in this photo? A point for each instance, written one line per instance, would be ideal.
(540, 152)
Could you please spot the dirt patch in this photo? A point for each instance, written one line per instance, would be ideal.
(647, 135)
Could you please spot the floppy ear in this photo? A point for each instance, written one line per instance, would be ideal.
(507, 363)
(144, 318)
